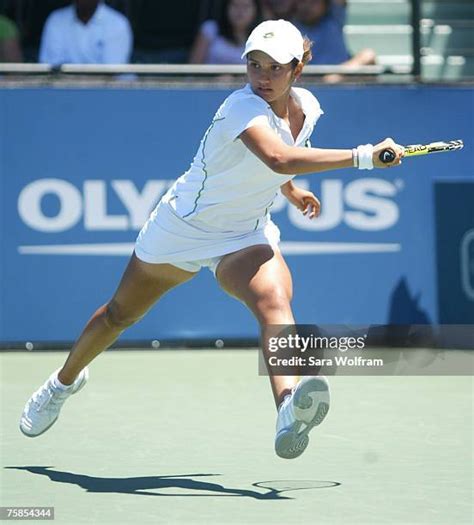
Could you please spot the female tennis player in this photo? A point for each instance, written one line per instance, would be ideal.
(216, 215)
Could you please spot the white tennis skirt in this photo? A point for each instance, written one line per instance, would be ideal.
(190, 245)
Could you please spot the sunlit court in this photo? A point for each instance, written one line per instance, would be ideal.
(156, 442)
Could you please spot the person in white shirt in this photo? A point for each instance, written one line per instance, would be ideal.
(217, 216)
(86, 32)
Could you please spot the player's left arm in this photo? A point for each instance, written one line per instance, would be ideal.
(305, 200)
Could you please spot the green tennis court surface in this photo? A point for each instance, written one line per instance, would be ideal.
(187, 437)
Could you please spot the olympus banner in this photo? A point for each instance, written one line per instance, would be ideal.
(80, 170)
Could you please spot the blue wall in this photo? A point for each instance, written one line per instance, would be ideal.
(90, 146)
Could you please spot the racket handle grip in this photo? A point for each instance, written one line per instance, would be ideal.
(387, 156)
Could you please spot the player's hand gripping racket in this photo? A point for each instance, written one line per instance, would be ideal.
(387, 155)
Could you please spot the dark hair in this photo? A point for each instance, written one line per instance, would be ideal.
(225, 28)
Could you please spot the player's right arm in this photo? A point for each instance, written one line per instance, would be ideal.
(292, 160)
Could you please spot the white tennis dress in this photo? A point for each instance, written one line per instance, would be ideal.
(222, 203)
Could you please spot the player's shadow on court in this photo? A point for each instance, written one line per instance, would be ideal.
(142, 485)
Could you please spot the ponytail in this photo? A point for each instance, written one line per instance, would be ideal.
(307, 53)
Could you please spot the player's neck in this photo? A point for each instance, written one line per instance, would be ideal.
(281, 106)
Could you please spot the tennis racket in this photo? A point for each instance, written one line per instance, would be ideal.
(387, 155)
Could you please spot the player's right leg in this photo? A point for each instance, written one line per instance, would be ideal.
(141, 286)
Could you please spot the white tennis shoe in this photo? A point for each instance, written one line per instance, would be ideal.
(303, 409)
(42, 409)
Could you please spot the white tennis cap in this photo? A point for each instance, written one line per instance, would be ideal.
(278, 38)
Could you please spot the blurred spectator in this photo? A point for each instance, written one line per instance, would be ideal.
(276, 9)
(10, 50)
(323, 22)
(86, 32)
(222, 41)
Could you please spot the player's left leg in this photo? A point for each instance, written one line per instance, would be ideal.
(259, 277)
(141, 286)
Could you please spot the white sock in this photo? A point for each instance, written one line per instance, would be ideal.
(286, 415)
(284, 401)
(57, 384)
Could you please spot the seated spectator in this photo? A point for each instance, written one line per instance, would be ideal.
(10, 50)
(276, 9)
(222, 41)
(322, 21)
(86, 32)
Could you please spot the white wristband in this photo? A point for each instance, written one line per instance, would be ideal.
(364, 153)
(355, 158)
